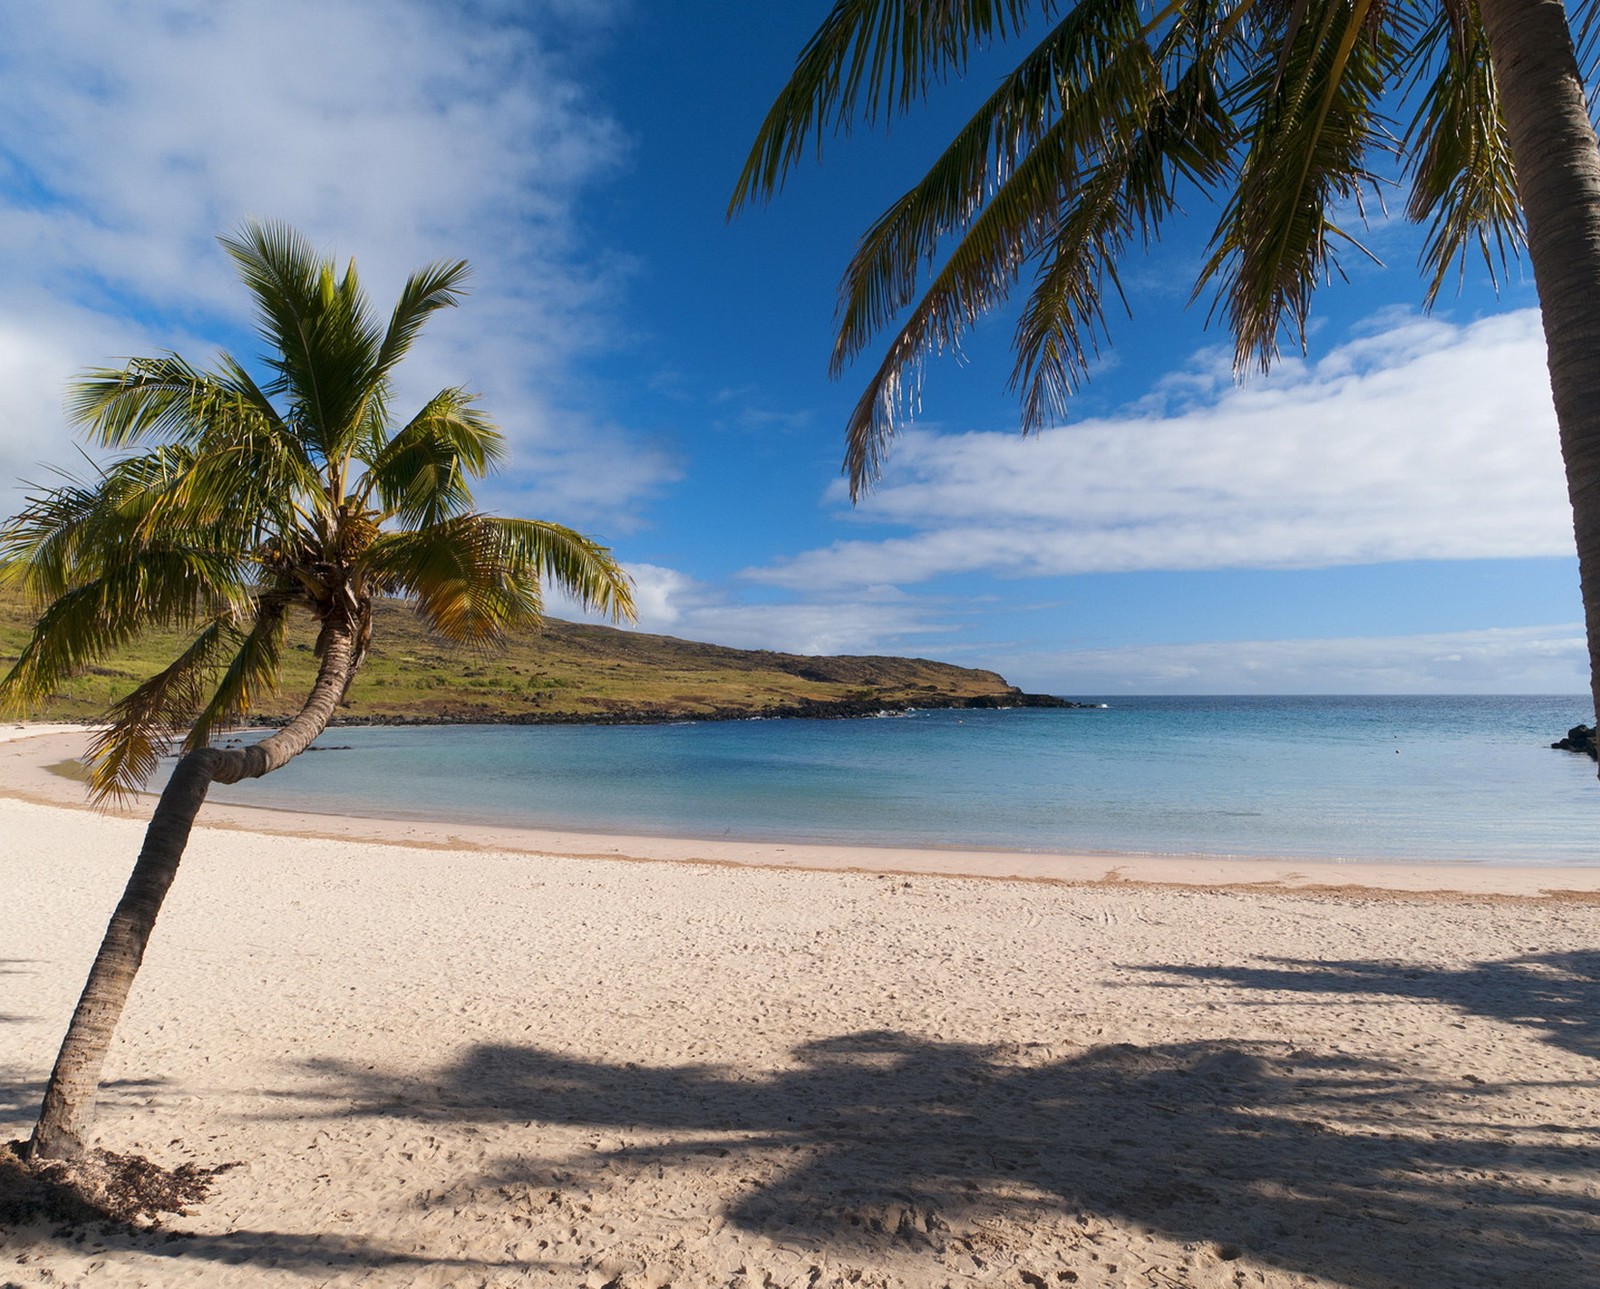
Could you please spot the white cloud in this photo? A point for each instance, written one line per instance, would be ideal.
(39, 352)
(1542, 660)
(670, 602)
(1422, 440)
(394, 131)
(1535, 660)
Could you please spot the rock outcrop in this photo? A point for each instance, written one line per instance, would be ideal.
(1580, 738)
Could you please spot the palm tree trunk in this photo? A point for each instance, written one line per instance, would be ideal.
(68, 1110)
(1557, 165)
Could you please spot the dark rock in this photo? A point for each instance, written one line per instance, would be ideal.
(1016, 698)
(796, 709)
(1580, 738)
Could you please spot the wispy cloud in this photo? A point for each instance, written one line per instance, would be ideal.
(673, 603)
(395, 131)
(1534, 660)
(1419, 440)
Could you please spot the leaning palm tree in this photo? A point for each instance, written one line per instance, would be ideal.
(1277, 110)
(236, 506)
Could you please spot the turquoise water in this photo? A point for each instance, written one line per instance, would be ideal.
(1353, 778)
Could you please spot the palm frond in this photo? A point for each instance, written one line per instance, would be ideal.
(109, 561)
(253, 671)
(1185, 135)
(38, 545)
(870, 59)
(455, 573)
(225, 458)
(474, 577)
(325, 342)
(150, 590)
(420, 476)
(1072, 91)
(438, 286)
(1462, 182)
(219, 501)
(579, 565)
(165, 399)
(123, 756)
(146, 501)
(1314, 115)
(1104, 106)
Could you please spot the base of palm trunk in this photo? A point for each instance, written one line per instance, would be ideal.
(99, 1187)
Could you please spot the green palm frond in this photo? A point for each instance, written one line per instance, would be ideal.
(111, 560)
(421, 475)
(324, 338)
(870, 58)
(224, 452)
(579, 565)
(125, 754)
(1080, 146)
(456, 573)
(474, 577)
(37, 545)
(252, 673)
(1462, 183)
(1275, 108)
(1111, 62)
(1314, 106)
(282, 452)
(136, 505)
(439, 286)
(218, 501)
(1063, 101)
(1185, 135)
(153, 589)
(163, 399)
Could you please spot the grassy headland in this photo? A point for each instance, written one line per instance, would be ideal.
(569, 672)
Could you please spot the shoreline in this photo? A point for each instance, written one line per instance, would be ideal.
(26, 752)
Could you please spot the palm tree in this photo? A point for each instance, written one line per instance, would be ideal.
(236, 505)
(1274, 109)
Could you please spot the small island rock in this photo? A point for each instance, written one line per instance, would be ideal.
(1580, 738)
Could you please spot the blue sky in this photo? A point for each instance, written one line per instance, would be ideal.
(1384, 514)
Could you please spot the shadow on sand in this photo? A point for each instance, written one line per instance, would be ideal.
(1309, 1160)
(10, 967)
(1554, 995)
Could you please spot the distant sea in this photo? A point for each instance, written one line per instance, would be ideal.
(1357, 778)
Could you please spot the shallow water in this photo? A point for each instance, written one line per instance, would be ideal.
(1353, 778)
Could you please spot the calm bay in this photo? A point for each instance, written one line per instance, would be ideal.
(1357, 778)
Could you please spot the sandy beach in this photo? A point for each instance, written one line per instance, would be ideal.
(446, 1056)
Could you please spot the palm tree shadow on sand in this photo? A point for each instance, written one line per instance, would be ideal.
(1556, 995)
(1308, 1160)
(885, 1144)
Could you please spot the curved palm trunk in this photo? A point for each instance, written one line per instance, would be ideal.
(1557, 165)
(68, 1109)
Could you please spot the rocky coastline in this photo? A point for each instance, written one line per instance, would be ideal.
(805, 709)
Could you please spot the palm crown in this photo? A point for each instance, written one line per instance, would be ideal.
(1275, 108)
(237, 502)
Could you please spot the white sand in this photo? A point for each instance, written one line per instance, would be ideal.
(446, 1064)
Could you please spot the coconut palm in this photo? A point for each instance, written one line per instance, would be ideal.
(235, 506)
(1276, 110)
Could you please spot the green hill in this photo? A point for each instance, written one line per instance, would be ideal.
(569, 672)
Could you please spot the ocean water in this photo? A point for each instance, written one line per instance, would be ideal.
(1358, 778)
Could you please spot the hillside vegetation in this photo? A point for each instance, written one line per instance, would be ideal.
(568, 672)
